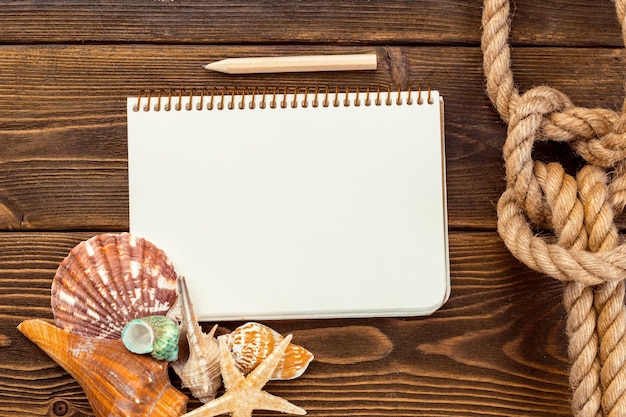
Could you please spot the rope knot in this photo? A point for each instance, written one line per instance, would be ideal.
(539, 102)
(598, 135)
(579, 209)
(528, 114)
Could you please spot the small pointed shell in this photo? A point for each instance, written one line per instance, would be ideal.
(109, 280)
(156, 335)
(252, 342)
(199, 367)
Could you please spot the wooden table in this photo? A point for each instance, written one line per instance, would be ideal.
(496, 348)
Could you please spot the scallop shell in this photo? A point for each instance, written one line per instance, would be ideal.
(116, 381)
(109, 280)
(252, 342)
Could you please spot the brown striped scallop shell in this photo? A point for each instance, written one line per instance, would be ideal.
(109, 280)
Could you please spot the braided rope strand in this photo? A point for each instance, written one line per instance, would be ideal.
(608, 297)
(567, 218)
(497, 55)
(584, 375)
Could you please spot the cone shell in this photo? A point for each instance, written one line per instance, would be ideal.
(109, 280)
(252, 342)
(116, 381)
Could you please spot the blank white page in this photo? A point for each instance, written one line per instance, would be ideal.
(302, 212)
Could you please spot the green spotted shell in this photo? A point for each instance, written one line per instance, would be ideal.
(156, 335)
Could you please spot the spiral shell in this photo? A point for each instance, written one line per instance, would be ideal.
(156, 335)
(252, 342)
(116, 381)
(199, 364)
(109, 280)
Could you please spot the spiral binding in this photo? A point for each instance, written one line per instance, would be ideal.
(240, 98)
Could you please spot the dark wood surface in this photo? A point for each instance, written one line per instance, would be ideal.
(497, 347)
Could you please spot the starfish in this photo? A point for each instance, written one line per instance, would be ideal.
(244, 394)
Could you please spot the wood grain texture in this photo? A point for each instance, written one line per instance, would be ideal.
(322, 21)
(495, 348)
(63, 163)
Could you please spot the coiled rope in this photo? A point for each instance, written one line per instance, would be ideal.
(587, 256)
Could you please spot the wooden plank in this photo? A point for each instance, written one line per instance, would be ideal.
(496, 347)
(244, 21)
(63, 137)
(235, 22)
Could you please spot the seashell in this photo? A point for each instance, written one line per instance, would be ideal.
(156, 335)
(252, 342)
(245, 394)
(109, 280)
(199, 365)
(116, 381)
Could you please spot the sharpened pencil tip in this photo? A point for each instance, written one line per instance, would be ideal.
(216, 66)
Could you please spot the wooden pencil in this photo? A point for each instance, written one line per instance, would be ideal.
(303, 63)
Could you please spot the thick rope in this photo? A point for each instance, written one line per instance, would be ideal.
(587, 256)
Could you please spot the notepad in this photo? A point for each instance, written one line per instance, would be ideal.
(280, 204)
